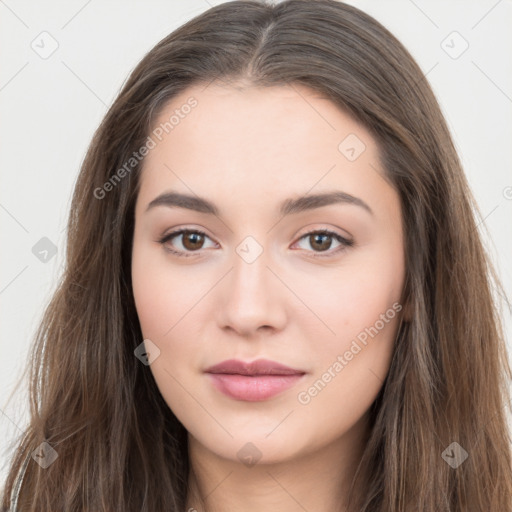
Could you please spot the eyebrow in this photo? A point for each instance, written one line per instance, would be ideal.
(287, 207)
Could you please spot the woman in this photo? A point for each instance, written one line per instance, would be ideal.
(276, 297)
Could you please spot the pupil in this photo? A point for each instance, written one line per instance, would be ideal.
(194, 239)
(323, 246)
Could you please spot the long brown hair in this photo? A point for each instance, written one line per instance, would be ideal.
(119, 445)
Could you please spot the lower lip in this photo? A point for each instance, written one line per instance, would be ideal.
(253, 389)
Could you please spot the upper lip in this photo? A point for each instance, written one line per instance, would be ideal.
(258, 367)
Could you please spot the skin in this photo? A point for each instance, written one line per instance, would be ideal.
(247, 150)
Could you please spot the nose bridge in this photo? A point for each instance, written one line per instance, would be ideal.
(250, 268)
(250, 293)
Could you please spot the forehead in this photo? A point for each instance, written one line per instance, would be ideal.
(291, 112)
(254, 141)
(256, 118)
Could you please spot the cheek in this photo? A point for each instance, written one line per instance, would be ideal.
(355, 297)
(167, 307)
(162, 295)
(161, 300)
(360, 305)
(154, 306)
(351, 366)
(364, 329)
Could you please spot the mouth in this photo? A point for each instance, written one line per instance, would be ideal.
(253, 382)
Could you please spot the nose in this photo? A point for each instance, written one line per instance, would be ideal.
(252, 298)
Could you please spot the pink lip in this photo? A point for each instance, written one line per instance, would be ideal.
(254, 381)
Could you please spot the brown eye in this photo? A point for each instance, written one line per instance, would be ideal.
(320, 241)
(192, 240)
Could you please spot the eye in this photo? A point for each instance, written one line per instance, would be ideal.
(192, 241)
(321, 241)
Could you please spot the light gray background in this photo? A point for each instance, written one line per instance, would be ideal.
(51, 106)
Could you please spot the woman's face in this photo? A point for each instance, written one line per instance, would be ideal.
(257, 284)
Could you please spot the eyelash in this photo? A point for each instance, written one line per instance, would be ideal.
(345, 243)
